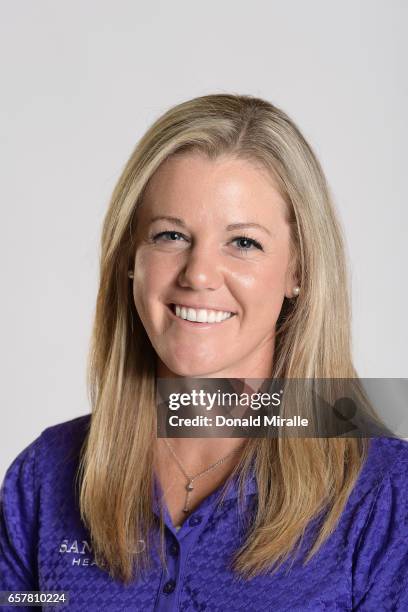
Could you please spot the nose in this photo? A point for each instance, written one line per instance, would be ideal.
(201, 269)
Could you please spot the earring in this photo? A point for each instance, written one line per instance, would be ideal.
(296, 291)
(130, 274)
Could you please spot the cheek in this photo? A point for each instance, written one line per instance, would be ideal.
(259, 282)
(261, 292)
(154, 275)
(146, 279)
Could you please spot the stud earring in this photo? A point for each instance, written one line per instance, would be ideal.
(130, 274)
(296, 291)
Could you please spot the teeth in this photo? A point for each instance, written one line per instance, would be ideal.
(202, 315)
(211, 317)
(191, 314)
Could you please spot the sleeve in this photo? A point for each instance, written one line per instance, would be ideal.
(19, 524)
(380, 567)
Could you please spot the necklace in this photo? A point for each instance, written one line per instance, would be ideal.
(190, 479)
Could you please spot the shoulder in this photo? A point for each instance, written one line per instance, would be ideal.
(68, 430)
(380, 560)
(56, 444)
(59, 446)
(387, 463)
(387, 458)
(66, 436)
(382, 479)
(387, 450)
(385, 474)
(30, 490)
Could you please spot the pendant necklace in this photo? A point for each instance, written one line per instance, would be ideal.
(190, 479)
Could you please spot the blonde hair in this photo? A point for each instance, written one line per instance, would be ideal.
(312, 341)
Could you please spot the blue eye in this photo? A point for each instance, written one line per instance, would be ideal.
(171, 234)
(244, 245)
(247, 243)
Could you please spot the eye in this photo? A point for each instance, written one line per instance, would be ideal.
(246, 244)
(168, 236)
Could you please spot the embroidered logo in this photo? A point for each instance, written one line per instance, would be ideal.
(80, 551)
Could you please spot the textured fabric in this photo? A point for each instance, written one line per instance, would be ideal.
(44, 546)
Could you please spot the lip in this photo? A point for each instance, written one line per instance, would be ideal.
(196, 324)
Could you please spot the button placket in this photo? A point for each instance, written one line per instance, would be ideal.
(171, 576)
(169, 586)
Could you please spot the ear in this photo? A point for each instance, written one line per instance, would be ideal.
(291, 279)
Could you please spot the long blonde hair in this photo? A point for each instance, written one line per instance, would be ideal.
(312, 341)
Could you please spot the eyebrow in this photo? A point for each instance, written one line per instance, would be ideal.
(175, 220)
(229, 228)
(234, 226)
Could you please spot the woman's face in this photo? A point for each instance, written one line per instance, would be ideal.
(212, 246)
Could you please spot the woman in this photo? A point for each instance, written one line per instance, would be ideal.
(221, 258)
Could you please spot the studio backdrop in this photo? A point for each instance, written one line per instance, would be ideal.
(82, 81)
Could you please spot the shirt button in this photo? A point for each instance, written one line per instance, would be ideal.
(173, 549)
(169, 586)
(195, 520)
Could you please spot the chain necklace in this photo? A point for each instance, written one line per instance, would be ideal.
(190, 479)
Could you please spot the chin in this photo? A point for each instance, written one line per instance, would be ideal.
(190, 369)
(190, 372)
(183, 360)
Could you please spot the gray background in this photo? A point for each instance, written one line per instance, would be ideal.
(80, 83)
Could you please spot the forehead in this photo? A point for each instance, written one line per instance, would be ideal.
(230, 185)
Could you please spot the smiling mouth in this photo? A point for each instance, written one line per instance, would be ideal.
(200, 315)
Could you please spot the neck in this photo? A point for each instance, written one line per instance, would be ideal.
(196, 473)
(197, 454)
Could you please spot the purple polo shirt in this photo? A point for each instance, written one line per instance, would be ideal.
(45, 547)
